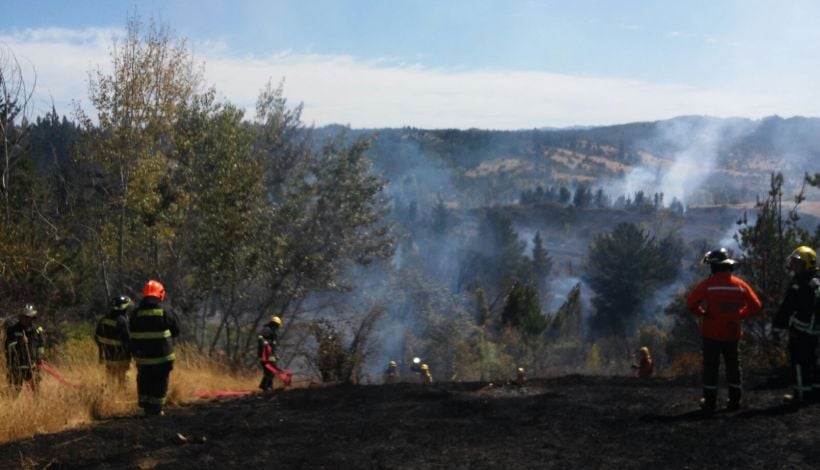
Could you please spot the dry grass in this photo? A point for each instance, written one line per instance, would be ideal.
(57, 407)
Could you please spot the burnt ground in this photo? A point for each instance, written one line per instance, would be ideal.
(567, 422)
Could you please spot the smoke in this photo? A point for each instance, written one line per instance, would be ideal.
(680, 157)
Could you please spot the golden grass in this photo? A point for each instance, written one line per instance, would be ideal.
(57, 407)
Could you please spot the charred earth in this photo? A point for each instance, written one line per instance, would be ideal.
(567, 422)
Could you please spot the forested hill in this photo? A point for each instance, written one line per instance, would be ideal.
(480, 167)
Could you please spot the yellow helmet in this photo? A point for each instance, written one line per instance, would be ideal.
(425, 367)
(806, 255)
(393, 364)
(644, 350)
(520, 370)
(276, 319)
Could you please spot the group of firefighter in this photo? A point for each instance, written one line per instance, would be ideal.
(145, 333)
(721, 302)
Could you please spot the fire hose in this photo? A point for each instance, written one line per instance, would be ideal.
(57, 376)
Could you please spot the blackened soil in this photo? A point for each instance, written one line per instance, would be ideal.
(568, 422)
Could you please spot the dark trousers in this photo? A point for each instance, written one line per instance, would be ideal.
(803, 355)
(152, 386)
(267, 379)
(18, 376)
(712, 350)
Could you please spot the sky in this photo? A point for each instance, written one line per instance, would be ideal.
(512, 64)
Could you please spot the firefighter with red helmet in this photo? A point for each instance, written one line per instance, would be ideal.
(721, 301)
(113, 337)
(266, 351)
(25, 350)
(645, 366)
(153, 330)
(800, 313)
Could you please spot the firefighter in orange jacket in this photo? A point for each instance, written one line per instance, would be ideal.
(721, 301)
(800, 313)
(153, 330)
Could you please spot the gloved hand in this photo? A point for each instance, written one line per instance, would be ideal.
(23, 340)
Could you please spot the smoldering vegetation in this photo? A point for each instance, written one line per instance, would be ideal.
(467, 206)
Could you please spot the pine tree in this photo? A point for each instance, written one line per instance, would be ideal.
(765, 246)
(541, 264)
(623, 268)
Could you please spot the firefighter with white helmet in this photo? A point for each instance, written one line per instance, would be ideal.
(25, 350)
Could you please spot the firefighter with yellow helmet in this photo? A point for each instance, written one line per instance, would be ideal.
(424, 374)
(266, 351)
(800, 313)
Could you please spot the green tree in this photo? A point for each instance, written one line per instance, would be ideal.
(130, 151)
(495, 256)
(223, 175)
(623, 268)
(541, 264)
(765, 246)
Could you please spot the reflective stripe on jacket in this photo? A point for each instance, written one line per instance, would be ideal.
(113, 337)
(20, 355)
(723, 300)
(800, 308)
(152, 332)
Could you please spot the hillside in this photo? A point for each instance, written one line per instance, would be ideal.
(482, 167)
(566, 422)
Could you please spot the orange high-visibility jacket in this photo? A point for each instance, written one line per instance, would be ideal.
(723, 300)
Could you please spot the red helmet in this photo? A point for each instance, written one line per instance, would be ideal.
(154, 289)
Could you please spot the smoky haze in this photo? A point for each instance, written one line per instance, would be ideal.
(442, 183)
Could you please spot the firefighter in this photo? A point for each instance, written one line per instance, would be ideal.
(520, 377)
(266, 351)
(391, 375)
(153, 330)
(113, 337)
(721, 301)
(800, 313)
(644, 367)
(425, 375)
(25, 350)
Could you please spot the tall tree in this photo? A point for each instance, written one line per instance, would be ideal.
(764, 247)
(495, 256)
(15, 120)
(541, 264)
(624, 267)
(130, 149)
(224, 178)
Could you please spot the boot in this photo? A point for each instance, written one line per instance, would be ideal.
(707, 403)
(735, 394)
(792, 399)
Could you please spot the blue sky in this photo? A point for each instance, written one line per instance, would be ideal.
(487, 64)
